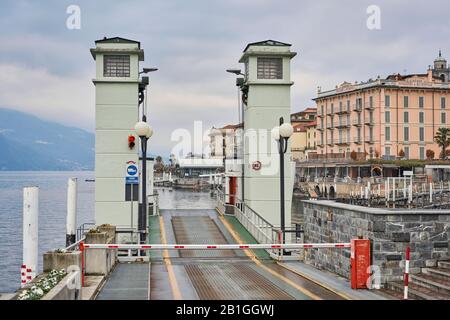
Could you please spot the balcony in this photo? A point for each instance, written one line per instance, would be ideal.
(341, 124)
(357, 140)
(369, 106)
(342, 141)
(369, 121)
(357, 108)
(356, 122)
(343, 109)
(369, 139)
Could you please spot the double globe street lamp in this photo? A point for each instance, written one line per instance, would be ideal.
(281, 134)
(144, 131)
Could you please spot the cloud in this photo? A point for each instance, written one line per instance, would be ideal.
(68, 100)
(46, 69)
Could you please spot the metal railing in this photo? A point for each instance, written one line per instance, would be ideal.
(262, 230)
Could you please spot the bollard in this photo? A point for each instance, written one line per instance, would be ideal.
(431, 192)
(30, 234)
(81, 246)
(406, 276)
(71, 221)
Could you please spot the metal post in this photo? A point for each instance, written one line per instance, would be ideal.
(71, 211)
(282, 146)
(431, 192)
(143, 227)
(30, 233)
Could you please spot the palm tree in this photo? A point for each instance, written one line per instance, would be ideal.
(442, 138)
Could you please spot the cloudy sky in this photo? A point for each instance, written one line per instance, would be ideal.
(46, 69)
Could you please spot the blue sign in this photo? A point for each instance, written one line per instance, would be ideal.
(131, 173)
(132, 170)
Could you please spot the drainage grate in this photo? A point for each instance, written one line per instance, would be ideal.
(232, 282)
(199, 230)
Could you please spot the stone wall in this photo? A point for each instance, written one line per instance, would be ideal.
(427, 232)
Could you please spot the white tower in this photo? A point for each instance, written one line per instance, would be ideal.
(116, 113)
(268, 81)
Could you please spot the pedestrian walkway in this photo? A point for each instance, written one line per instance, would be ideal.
(128, 281)
(338, 285)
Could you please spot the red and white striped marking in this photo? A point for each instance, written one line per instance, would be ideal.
(23, 275)
(406, 277)
(216, 246)
(26, 275)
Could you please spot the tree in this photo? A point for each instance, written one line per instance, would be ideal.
(401, 153)
(353, 155)
(430, 154)
(442, 138)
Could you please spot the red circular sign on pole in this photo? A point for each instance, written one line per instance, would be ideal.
(256, 165)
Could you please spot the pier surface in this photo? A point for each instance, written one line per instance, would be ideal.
(207, 274)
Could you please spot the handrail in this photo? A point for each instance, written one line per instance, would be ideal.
(75, 244)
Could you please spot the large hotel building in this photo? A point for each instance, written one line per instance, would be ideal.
(385, 118)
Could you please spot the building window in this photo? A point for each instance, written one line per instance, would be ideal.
(387, 133)
(387, 151)
(371, 134)
(270, 68)
(405, 117)
(421, 102)
(443, 103)
(443, 118)
(348, 105)
(406, 152)
(421, 134)
(370, 101)
(405, 102)
(406, 134)
(116, 66)
(359, 135)
(422, 153)
(387, 117)
(387, 101)
(421, 117)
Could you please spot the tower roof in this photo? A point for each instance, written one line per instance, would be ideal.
(440, 58)
(268, 43)
(117, 40)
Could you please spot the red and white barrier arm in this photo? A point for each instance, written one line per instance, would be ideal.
(406, 277)
(215, 246)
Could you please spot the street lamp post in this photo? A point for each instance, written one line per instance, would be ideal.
(282, 134)
(144, 131)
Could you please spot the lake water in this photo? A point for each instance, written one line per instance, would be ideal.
(52, 213)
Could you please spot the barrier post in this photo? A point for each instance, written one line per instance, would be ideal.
(81, 246)
(406, 275)
(359, 263)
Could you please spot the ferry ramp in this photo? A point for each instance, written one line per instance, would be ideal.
(207, 274)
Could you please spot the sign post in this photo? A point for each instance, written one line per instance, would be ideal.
(131, 179)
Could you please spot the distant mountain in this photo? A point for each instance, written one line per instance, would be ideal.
(29, 143)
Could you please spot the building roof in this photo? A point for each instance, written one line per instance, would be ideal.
(307, 110)
(200, 163)
(117, 40)
(268, 43)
